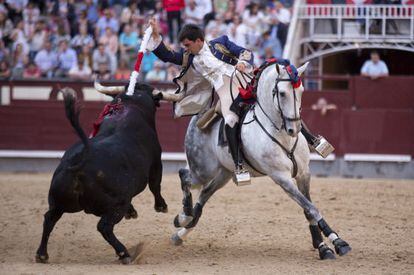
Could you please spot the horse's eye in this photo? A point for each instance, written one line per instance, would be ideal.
(282, 94)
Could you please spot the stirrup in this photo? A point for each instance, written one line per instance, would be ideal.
(322, 147)
(241, 177)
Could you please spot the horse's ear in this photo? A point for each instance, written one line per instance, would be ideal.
(278, 68)
(302, 68)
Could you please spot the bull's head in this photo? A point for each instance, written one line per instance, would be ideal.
(157, 95)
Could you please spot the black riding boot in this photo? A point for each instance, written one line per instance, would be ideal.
(317, 143)
(242, 176)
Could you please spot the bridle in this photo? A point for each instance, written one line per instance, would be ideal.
(276, 93)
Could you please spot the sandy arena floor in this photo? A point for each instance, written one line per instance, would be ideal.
(244, 230)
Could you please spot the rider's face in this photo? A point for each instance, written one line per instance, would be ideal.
(193, 47)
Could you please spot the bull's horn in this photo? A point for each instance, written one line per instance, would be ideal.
(111, 90)
(169, 96)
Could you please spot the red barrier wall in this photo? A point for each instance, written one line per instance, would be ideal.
(371, 117)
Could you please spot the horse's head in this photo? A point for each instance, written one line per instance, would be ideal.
(286, 90)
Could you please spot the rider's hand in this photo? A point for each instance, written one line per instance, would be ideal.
(241, 66)
(155, 28)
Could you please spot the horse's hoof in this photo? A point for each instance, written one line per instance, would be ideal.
(126, 260)
(182, 220)
(176, 240)
(162, 209)
(43, 259)
(341, 247)
(326, 253)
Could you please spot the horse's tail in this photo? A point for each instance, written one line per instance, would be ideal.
(72, 114)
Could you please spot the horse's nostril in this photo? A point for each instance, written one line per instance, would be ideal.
(290, 131)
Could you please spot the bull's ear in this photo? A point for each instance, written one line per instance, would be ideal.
(302, 68)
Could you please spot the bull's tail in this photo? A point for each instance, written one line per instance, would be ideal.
(72, 114)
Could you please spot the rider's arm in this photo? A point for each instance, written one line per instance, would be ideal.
(244, 55)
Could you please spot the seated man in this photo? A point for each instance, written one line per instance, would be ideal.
(375, 67)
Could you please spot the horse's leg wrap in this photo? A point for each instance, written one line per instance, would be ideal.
(341, 247)
(185, 217)
(197, 211)
(316, 235)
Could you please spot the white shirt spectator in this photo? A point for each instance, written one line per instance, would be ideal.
(193, 14)
(374, 69)
(283, 15)
(67, 59)
(46, 60)
(80, 73)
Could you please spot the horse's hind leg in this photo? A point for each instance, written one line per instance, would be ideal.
(285, 181)
(186, 216)
(207, 191)
(324, 251)
(51, 218)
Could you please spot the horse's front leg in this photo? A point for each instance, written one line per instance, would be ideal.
(325, 252)
(207, 191)
(286, 182)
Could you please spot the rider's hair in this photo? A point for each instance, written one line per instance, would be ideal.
(191, 32)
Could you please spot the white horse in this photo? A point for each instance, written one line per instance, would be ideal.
(272, 145)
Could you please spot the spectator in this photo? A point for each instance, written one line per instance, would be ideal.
(275, 33)
(46, 60)
(238, 32)
(100, 56)
(83, 22)
(157, 74)
(82, 39)
(30, 17)
(18, 36)
(4, 52)
(283, 16)
(37, 39)
(80, 71)
(323, 106)
(193, 14)
(6, 28)
(4, 69)
(86, 56)
(122, 73)
(67, 59)
(173, 9)
(131, 14)
(230, 12)
(103, 72)
(92, 13)
(19, 60)
(110, 40)
(31, 71)
(375, 67)
(106, 21)
(128, 44)
(270, 40)
(255, 20)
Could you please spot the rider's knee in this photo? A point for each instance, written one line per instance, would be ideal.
(231, 119)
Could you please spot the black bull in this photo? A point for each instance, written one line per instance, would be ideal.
(101, 175)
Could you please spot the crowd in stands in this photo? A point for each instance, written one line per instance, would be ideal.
(87, 39)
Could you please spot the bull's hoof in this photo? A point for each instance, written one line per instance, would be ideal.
(341, 247)
(182, 220)
(326, 253)
(126, 260)
(176, 240)
(162, 208)
(43, 259)
(132, 214)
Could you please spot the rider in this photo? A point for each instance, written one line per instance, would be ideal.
(207, 66)
(216, 65)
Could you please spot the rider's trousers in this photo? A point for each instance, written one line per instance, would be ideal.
(226, 99)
